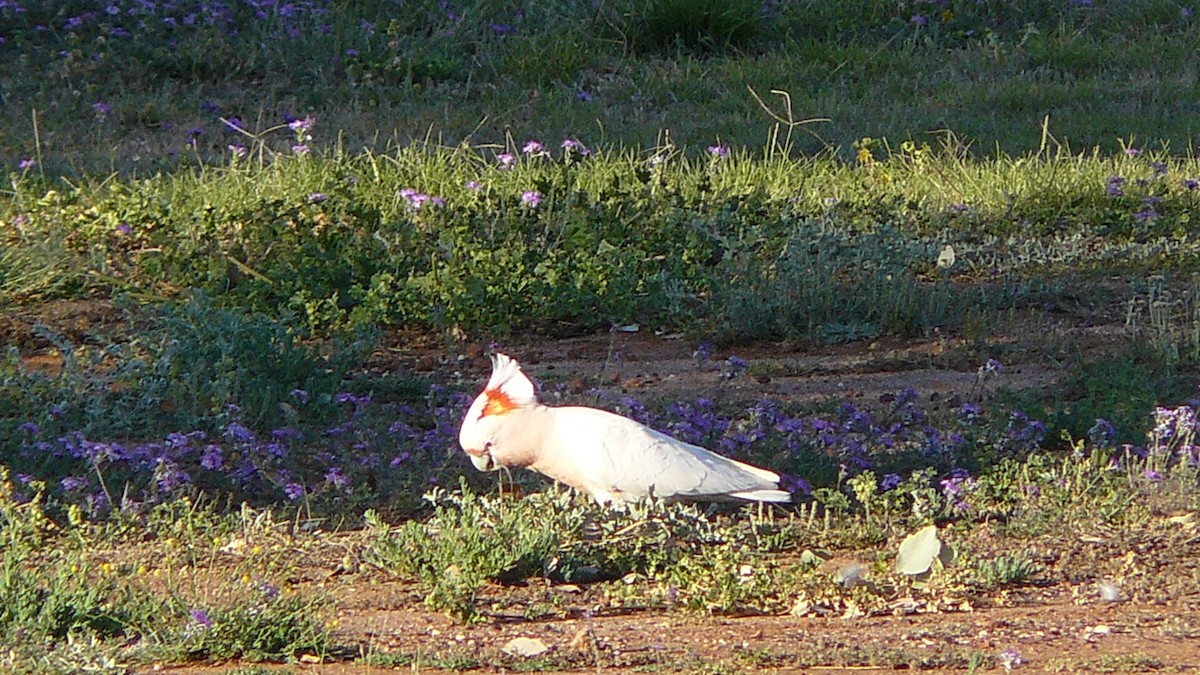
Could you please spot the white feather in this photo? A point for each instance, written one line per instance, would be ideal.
(508, 379)
(612, 458)
(623, 459)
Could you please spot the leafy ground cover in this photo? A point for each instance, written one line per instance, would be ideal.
(254, 253)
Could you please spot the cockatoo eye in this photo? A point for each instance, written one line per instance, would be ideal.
(487, 447)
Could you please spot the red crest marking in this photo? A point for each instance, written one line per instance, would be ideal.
(498, 403)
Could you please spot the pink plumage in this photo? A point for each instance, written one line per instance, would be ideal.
(612, 458)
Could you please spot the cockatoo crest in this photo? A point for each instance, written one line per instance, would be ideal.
(508, 388)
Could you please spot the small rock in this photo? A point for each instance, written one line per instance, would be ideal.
(524, 647)
(850, 574)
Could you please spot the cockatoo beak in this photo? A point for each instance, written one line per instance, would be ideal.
(483, 461)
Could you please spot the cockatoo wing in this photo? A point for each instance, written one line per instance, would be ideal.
(616, 459)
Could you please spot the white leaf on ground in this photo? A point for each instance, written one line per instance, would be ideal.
(918, 551)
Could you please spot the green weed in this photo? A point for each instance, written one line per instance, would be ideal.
(470, 541)
(1109, 663)
(1006, 570)
(264, 623)
(474, 539)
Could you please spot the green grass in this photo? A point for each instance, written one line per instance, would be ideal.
(990, 74)
(748, 247)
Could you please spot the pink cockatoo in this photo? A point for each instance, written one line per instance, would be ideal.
(612, 458)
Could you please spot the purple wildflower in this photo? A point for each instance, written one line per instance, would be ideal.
(300, 149)
(334, 476)
(238, 150)
(300, 395)
(571, 145)
(1009, 659)
(506, 160)
(293, 491)
(919, 20)
(718, 151)
(201, 618)
(531, 198)
(474, 185)
(416, 200)
(301, 126)
(211, 458)
(1115, 183)
(890, 482)
(534, 149)
(956, 486)
(1102, 432)
(239, 433)
(26, 164)
(1133, 152)
(102, 109)
(317, 197)
(269, 590)
(795, 485)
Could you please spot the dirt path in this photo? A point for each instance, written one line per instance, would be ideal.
(1058, 636)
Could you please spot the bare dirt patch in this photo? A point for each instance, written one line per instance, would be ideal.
(1058, 623)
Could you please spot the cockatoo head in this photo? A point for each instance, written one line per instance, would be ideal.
(489, 433)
